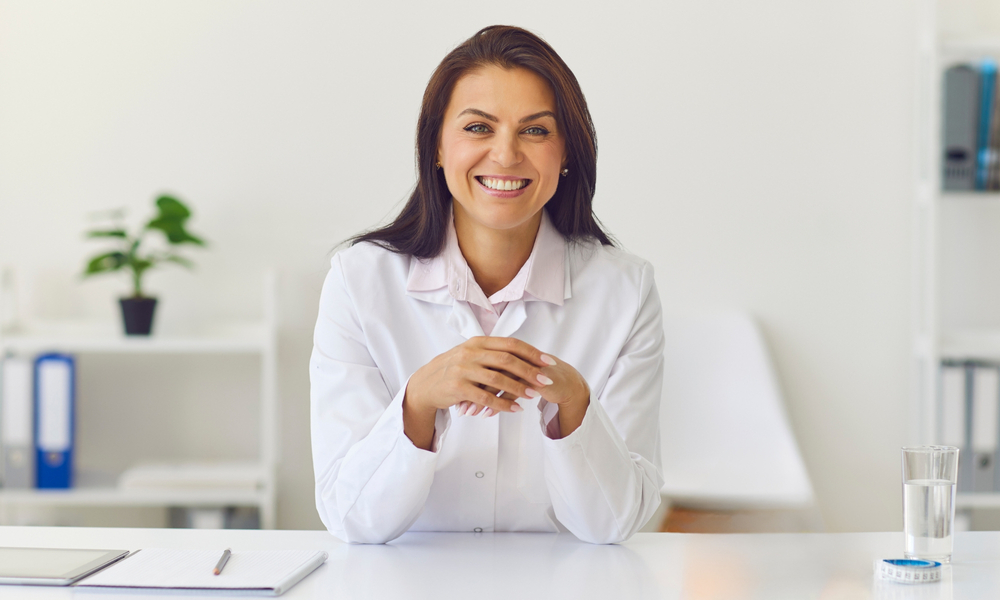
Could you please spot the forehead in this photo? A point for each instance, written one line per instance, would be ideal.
(502, 92)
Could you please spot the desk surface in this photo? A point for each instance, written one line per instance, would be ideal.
(512, 566)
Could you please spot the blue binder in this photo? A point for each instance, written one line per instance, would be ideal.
(55, 397)
(987, 87)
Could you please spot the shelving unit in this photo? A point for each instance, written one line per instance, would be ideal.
(99, 489)
(944, 260)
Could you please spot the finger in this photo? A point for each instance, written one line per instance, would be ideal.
(518, 348)
(498, 381)
(500, 393)
(463, 407)
(483, 399)
(512, 366)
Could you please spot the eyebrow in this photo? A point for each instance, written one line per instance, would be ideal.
(489, 117)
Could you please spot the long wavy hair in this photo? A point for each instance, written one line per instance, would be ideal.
(420, 228)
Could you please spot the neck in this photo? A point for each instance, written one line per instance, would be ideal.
(494, 255)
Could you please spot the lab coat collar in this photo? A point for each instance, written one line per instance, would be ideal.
(447, 276)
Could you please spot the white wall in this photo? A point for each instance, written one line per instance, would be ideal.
(759, 154)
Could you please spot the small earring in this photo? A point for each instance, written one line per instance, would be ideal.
(438, 164)
(564, 172)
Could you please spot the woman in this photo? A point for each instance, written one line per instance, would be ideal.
(496, 294)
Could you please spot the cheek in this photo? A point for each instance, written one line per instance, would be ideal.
(460, 152)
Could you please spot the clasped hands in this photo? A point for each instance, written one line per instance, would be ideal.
(488, 374)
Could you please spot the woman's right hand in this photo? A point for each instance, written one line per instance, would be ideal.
(467, 371)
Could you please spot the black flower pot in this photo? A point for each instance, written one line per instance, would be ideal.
(138, 315)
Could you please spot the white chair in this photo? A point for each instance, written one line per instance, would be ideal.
(726, 440)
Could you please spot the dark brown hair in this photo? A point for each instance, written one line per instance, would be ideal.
(420, 228)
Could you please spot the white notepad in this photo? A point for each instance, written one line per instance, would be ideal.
(257, 572)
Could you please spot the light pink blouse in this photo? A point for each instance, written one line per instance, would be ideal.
(541, 278)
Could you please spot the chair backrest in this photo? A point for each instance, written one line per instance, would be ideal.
(725, 436)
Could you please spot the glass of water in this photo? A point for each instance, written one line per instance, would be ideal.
(930, 475)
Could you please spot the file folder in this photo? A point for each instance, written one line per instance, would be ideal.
(961, 127)
(54, 420)
(985, 420)
(952, 422)
(987, 86)
(17, 439)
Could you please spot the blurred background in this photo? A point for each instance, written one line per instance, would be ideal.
(762, 155)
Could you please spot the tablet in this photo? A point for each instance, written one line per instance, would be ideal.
(53, 566)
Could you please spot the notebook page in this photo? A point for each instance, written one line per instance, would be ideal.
(170, 568)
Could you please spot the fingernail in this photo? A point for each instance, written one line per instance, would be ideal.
(464, 408)
(516, 408)
(488, 412)
(531, 393)
(548, 359)
(542, 379)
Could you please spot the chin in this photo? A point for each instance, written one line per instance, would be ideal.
(504, 217)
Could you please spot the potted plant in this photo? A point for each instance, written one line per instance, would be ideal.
(137, 310)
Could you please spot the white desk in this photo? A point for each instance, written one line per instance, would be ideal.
(512, 566)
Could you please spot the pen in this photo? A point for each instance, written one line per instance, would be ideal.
(222, 561)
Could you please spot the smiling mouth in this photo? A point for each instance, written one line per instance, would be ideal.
(503, 185)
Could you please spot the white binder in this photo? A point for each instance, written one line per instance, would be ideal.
(985, 421)
(17, 423)
(952, 425)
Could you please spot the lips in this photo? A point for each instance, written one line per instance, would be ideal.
(504, 184)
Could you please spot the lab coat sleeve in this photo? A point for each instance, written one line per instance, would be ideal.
(371, 481)
(605, 478)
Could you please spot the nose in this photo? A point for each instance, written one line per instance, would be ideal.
(506, 151)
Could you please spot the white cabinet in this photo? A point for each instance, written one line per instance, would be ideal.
(956, 259)
(251, 346)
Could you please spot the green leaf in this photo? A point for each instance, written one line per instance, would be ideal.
(171, 207)
(118, 233)
(174, 230)
(105, 263)
(180, 260)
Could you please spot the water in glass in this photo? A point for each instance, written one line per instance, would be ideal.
(928, 514)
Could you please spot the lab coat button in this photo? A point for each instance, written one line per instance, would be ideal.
(480, 474)
(478, 529)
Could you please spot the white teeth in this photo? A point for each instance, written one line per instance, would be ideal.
(503, 185)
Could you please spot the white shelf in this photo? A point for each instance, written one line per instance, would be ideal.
(983, 196)
(81, 337)
(118, 497)
(98, 488)
(971, 47)
(970, 345)
(980, 500)
(258, 338)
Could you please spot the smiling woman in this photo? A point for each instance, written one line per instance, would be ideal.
(495, 292)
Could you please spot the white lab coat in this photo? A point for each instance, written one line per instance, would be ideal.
(503, 473)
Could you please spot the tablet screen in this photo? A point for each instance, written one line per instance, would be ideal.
(52, 563)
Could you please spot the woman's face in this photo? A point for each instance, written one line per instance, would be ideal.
(500, 149)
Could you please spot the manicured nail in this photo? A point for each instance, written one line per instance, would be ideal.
(548, 360)
(516, 408)
(542, 379)
(488, 412)
(469, 407)
(532, 393)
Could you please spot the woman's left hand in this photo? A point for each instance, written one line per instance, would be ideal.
(563, 385)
